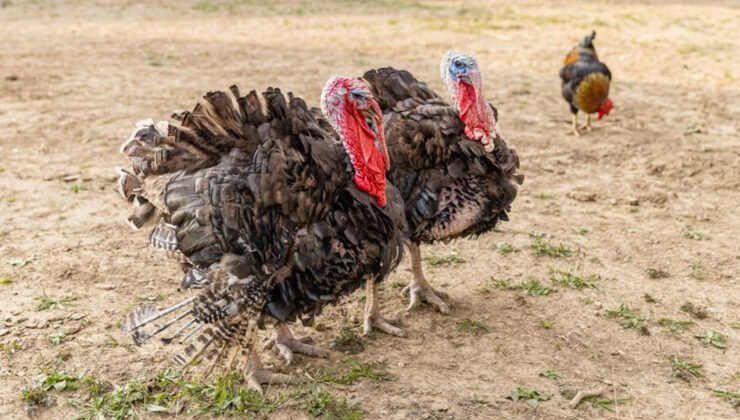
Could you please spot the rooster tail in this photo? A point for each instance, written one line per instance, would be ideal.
(588, 41)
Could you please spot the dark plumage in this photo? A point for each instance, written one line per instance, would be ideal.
(451, 186)
(263, 200)
(586, 82)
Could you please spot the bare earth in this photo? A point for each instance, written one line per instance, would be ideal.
(655, 185)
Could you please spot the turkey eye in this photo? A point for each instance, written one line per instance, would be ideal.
(457, 63)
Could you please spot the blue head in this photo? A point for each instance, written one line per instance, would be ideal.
(459, 66)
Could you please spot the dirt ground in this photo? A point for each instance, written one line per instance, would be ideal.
(656, 186)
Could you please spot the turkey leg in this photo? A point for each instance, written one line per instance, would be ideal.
(254, 373)
(419, 290)
(372, 312)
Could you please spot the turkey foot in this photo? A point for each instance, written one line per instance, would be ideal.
(256, 376)
(419, 290)
(285, 344)
(373, 319)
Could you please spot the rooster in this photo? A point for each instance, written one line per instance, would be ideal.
(456, 174)
(586, 83)
(305, 220)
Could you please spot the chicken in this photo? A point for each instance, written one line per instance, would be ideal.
(586, 83)
(304, 221)
(456, 174)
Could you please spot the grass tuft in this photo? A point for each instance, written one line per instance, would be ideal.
(448, 261)
(694, 311)
(675, 325)
(47, 302)
(630, 318)
(472, 326)
(542, 248)
(348, 341)
(713, 338)
(684, 369)
(531, 396)
(655, 273)
(695, 235)
(533, 287)
(573, 281)
(504, 248)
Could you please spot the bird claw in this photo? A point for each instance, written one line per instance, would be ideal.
(256, 378)
(286, 345)
(428, 295)
(383, 324)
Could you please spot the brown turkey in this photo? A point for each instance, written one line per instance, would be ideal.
(456, 174)
(302, 221)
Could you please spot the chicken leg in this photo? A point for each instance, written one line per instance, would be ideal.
(285, 344)
(587, 127)
(419, 290)
(575, 126)
(372, 312)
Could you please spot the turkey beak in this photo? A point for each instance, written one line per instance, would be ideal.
(465, 78)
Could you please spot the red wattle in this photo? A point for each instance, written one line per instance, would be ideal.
(370, 163)
(474, 118)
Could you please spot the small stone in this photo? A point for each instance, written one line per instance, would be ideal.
(598, 305)
(401, 365)
(4, 331)
(76, 317)
(105, 286)
(71, 329)
(440, 406)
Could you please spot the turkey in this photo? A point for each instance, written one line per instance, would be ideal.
(456, 174)
(305, 220)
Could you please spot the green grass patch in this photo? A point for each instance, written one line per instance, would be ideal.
(684, 369)
(532, 397)
(348, 341)
(504, 248)
(46, 302)
(697, 270)
(655, 273)
(349, 371)
(574, 281)
(533, 287)
(451, 260)
(694, 311)
(630, 318)
(6, 280)
(56, 337)
(472, 326)
(22, 262)
(695, 235)
(75, 188)
(606, 403)
(496, 284)
(550, 374)
(730, 396)
(547, 324)
(543, 248)
(713, 338)
(675, 325)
